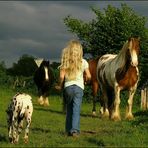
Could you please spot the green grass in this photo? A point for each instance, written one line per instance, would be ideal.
(47, 128)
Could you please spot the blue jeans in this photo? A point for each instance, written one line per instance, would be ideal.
(73, 95)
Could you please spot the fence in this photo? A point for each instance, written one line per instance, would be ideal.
(144, 98)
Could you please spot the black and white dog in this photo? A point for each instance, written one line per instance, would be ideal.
(19, 109)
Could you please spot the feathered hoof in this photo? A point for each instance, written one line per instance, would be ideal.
(10, 139)
(46, 103)
(129, 117)
(40, 101)
(116, 117)
(101, 110)
(25, 140)
(94, 114)
(14, 142)
(104, 116)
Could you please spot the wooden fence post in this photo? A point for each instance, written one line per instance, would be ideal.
(144, 99)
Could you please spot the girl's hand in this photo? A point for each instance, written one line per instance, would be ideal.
(58, 87)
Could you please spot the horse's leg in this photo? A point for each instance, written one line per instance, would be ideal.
(129, 114)
(28, 122)
(14, 131)
(10, 134)
(94, 92)
(9, 122)
(20, 127)
(116, 113)
(46, 102)
(110, 94)
(104, 109)
(40, 99)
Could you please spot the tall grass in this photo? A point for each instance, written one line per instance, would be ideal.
(48, 126)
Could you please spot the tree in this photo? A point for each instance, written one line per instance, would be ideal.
(24, 67)
(2, 71)
(109, 30)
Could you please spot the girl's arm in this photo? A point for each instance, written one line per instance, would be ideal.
(87, 74)
(61, 80)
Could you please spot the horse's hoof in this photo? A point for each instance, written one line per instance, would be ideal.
(41, 102)
(15, 142)
(104, 116)
(25, 140)
(94, 114)
(46, 103)
(11, 140)
(116, 118)
(129, 117)
(101, 110)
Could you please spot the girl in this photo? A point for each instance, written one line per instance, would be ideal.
(71, 78)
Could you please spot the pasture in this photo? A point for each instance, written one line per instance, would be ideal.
(47, 127)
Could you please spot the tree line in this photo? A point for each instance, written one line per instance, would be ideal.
(106, 33)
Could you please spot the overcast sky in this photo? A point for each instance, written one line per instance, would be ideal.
(36, 28)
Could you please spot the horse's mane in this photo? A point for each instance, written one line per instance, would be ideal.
(123, 58)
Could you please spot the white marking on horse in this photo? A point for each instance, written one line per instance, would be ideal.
(38, 62)
(46, 73)
(134, 58)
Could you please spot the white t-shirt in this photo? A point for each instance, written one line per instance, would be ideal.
(79, 78)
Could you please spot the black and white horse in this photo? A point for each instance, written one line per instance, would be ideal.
(43, 78)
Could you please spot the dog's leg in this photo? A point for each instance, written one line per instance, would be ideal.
(28, 122)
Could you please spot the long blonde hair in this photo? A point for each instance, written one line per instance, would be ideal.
(71, 60)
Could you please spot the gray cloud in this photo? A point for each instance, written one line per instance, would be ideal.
(37, 28)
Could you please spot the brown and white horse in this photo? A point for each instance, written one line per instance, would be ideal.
(116, 73)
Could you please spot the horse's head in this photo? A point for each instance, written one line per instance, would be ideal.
(45, 68)
(45, 63)
(134, 47)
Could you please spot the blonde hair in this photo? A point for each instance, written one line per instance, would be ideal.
(71, 60)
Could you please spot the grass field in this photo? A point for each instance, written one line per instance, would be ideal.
(47, 128)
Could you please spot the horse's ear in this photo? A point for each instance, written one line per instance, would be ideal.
(48, 62)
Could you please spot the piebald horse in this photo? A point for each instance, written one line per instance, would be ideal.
(116, 73)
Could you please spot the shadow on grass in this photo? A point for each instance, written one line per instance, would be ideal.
(40, 108)
(49, 110)
(88, 132)
(41, 130)
(97, 142)
(88, 115)
(141, 118)
(3, 138)
(3, 126)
